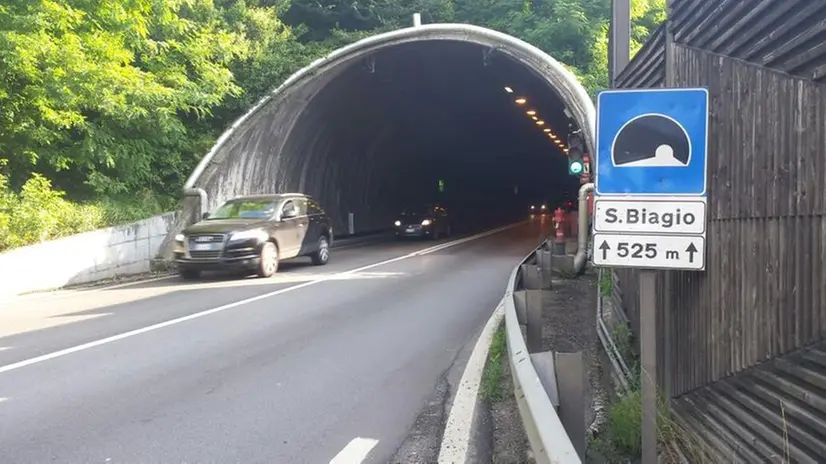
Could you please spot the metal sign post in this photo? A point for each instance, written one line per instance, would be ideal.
(650, 207)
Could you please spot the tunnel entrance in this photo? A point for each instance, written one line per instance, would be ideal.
(453, 114)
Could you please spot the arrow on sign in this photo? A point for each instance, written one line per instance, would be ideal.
(604, 247)
(691, 250)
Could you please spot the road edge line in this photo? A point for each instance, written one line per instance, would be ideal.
(459, 425)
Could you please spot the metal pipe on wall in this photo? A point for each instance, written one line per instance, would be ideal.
(581, 257)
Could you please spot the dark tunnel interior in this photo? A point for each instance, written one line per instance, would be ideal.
(383, 133)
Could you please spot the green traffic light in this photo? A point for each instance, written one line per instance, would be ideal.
(575, 168)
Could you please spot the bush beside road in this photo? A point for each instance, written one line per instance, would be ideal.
(39, 212)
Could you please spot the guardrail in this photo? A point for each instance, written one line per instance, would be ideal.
(535, 386)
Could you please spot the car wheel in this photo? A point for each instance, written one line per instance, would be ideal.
(189, 274)
(269, 260)
(322, 252)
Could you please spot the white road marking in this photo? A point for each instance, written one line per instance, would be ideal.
(355, 452)
(455, 441)
(171, 322)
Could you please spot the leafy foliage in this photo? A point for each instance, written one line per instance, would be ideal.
(105, 95)
(39, 212)
(102, 99)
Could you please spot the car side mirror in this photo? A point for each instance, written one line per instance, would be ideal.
(205, 215)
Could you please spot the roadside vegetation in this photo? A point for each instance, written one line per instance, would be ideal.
(105, 107)
(493, 388)
(619, 439)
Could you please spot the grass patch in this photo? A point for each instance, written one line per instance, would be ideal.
(606, 283)
(623, 339)
(621, 440)
(492, 389)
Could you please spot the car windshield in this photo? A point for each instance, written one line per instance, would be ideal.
(244, 209)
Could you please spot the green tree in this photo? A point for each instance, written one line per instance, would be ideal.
(321, 20)
(104, 93)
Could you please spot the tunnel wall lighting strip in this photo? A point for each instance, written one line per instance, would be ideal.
(533, 114)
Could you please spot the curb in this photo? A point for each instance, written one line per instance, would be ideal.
(459, 425)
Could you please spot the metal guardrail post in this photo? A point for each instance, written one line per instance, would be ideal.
(534, 320)
(531, 276)
(571, 384)
(544, 259)
(528, 305)
(535, 374)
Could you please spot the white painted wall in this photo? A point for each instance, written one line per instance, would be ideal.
(87, 257)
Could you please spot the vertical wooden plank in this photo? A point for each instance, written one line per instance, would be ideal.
(818, 166)
(741, 76)
(762, 318)
(821, 239)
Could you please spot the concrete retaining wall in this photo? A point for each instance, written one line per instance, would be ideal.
(87, 257)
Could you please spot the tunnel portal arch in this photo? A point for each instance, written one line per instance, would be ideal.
(257, 152)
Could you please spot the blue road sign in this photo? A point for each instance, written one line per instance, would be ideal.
(652, 142)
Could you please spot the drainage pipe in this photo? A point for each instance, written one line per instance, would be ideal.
(202, 199)
(582, 251)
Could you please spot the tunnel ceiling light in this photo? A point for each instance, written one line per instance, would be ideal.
(534, 118)
(539, 123)
(508, 89)
(547, 130)
(531, 112)
(521, 101)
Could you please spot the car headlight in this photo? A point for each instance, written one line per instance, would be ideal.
(180, 238)
(426, 222)
(543, 206)
(533, 207)
(248, 234)
(397, 223)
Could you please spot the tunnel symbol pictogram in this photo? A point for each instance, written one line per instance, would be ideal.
(651, 140)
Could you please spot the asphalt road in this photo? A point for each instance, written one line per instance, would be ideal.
(315, 363)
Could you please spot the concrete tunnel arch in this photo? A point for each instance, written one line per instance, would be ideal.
(262, 152)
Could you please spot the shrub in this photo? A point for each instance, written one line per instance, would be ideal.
(39, 212)
(625, 423)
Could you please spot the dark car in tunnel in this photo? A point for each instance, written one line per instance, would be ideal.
(431, 221)
(255, 233)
